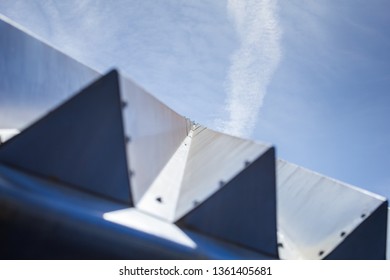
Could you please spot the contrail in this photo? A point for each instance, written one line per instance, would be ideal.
(253, 64)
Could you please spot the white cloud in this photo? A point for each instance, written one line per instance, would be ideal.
(252, 64)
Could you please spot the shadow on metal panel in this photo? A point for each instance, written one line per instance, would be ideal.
(154, 131)
(80, 143)
(367, 241)
(214, 159)
(316, 214)
(244, 210)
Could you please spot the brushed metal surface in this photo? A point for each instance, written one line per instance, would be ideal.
(42, 219)
(34, 77)
(177, 170)
(221, 186)
(243, 211)
(316, 213)
(162, 196)
(154, 132)
(81, 143)
(214, 160)
(367, 241)
(201, 165)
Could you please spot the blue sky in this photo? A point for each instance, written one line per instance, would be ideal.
(311, 77)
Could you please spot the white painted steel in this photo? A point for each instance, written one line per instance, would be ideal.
(162, 196)
(316, 213)
(155, 132)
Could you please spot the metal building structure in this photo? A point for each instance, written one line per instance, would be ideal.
(103, 170)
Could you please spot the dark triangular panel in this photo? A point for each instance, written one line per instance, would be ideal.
(80, 143)
(367, 241)
(244, 210)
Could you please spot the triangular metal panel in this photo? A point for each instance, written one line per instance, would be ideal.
(80, 143)
(316, 213)
(367, 241)
(35, 77)
(154, 132)
(162, 196)
(243, 211)
(214, 159)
